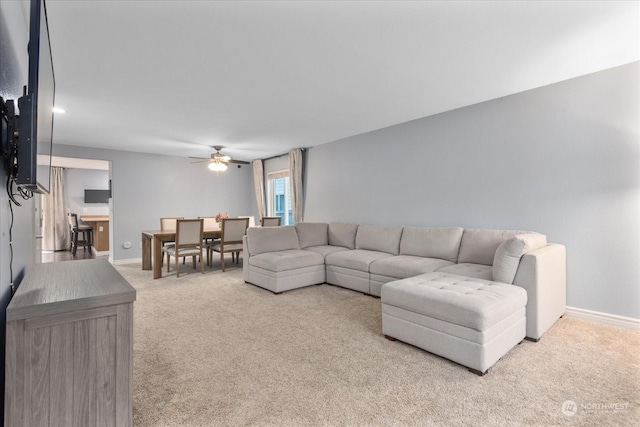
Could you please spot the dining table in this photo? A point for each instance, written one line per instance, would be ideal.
(152, 252)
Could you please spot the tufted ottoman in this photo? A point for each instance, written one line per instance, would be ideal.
(473, 322)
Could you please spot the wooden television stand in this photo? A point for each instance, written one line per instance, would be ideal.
(69, 349)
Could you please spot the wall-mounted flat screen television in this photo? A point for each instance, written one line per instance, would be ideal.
(96, 196)
(36, 107)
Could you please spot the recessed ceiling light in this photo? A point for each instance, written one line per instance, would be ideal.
(59, 110)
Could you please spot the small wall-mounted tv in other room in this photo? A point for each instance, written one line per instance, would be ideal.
(36, 108)
(96, 196)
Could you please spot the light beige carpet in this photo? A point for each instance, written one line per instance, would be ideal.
(210, 350)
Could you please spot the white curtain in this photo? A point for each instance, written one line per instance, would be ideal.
(258, 184)
(295, 172)
(55, 225)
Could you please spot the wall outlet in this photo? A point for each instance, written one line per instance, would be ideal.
(84, 210)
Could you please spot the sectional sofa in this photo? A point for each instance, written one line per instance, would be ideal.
(469, 295)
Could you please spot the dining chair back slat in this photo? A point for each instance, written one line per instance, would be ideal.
(189, 234)
(270, 221)
(210, 222)
(169, 224)
(233, 230)
(252, 219)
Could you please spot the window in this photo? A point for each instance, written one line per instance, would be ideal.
(279, 196)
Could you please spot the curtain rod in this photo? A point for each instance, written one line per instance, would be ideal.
(280, 155)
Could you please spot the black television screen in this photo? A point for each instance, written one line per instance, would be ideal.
(96, 196)
(36, 107)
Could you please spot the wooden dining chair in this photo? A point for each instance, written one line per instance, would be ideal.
(168, 224)
(252, 219)
(233, 230)
(209, 223)
(270, 221)
(188, 243)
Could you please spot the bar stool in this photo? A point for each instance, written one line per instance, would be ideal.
(87, 234)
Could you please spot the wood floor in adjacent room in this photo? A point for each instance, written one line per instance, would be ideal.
(55, 256)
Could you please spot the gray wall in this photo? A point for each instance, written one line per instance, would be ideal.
(563, 160)
(13, 75)
(147, 187)
(78, 180)
(276, 164)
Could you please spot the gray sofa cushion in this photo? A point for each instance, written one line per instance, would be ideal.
(357, 259)
(312, 234)
(343, 234)
(478, 246)
(478, 271)
(271, 239)
(286, 260)
(326, 249)
(431, 242)
(379, 238)
(508, 254)
(403, 266)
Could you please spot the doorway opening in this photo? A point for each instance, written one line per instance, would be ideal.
(52, 211)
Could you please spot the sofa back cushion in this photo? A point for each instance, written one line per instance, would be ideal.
(271, 239)
(343, 234)
(478, 246)
(312, 234)
(379, 238)
(508, 254)
(431, 242)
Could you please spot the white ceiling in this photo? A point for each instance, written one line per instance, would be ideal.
(260, 78)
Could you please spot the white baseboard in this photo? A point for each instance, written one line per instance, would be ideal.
(126, 261)
(604, 318)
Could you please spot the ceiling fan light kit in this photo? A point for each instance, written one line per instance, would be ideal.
(219, 162)
(217, 166)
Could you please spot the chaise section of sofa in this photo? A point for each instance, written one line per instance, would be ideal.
(522, 258)
(473, 322)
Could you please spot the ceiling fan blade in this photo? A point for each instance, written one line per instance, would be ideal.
(219, 157)
(200, 161)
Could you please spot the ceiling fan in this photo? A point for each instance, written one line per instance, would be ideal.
(218, 161)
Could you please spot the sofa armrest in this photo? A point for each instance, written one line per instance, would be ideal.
(543, 274)
(245, 259)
